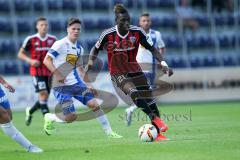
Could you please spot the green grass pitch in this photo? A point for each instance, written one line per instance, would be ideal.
(208, 131)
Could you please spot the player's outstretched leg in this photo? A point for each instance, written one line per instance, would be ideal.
(29, 111)
(10, 130)
(128, 113)
(102, 118)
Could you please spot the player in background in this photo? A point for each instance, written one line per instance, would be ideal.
(68, 51)
(122, 42)
(144, 56)
(38, 45)
(6, 120)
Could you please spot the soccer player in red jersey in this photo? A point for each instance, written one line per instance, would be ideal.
(38, 45)
(122, 42)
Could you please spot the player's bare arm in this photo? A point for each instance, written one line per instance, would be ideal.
(23, 56)
(93, 55)
(6, 84)
(163, 64)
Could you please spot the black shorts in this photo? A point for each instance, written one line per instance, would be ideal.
(41, 83)
(131, 82)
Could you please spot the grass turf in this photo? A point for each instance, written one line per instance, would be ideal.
(197, 131)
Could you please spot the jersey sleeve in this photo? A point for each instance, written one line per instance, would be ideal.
(55, 50)
(160, 42)
(102, 40)
(26, 43)
(145, 40)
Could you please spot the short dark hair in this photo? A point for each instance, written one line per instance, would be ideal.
(71, 21)
(40, 19)
(145, 15)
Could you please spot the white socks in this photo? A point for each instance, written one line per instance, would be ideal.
(102, 118)
(132, 108)
(11, 131)
(54, 118)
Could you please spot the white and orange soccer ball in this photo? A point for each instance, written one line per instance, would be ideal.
(147, 133)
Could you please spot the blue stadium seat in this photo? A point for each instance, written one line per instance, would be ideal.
(203, 21)
(89, 24)
(156, 22)
(4, 6)
(6, 27)
(38, 5)
(8, 47)
(21, 6)
(168, 22)
(69, 5)
(54, 5)
(177, 62)
(25, 68)
(205, 41)
(104, 23)
(210, 61)
(228, 60)
(196, 62)
(172, 42)
(166, 4)
(56, 25)
(86, 4)
(101, 5)
(10, 68)
(152, 4)
(90, 43)
(23, 26)
(226, 41)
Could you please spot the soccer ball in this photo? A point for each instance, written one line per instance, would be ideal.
(147, 133)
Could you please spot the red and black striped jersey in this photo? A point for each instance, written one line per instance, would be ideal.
(38, 48)
(122, 50)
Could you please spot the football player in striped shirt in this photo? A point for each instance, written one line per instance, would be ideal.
(122, 42)
(145, 57)
(37, 46)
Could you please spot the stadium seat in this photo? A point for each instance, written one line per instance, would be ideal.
(226, 41)
(104, 23)
(56, 25)
(10, 68)
(152, 4)
(210, 61)
(203, 21)
(169, 22)
(172, 42)
(4, 6)
(38, 5)
(6, 26)
(90, 44)
(156, 22)
(196, 61)
(23, 26)
(205, 41)
(54, 5)
(21, 6)
(86, 4)
(69, 5)
(228, 60)
(101, 5)
(166, 4)
(25, 68)
(177, 62)
(89, 24)
(8, 47)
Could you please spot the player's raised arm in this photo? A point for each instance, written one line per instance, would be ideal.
(6, 84)
(148, 44)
